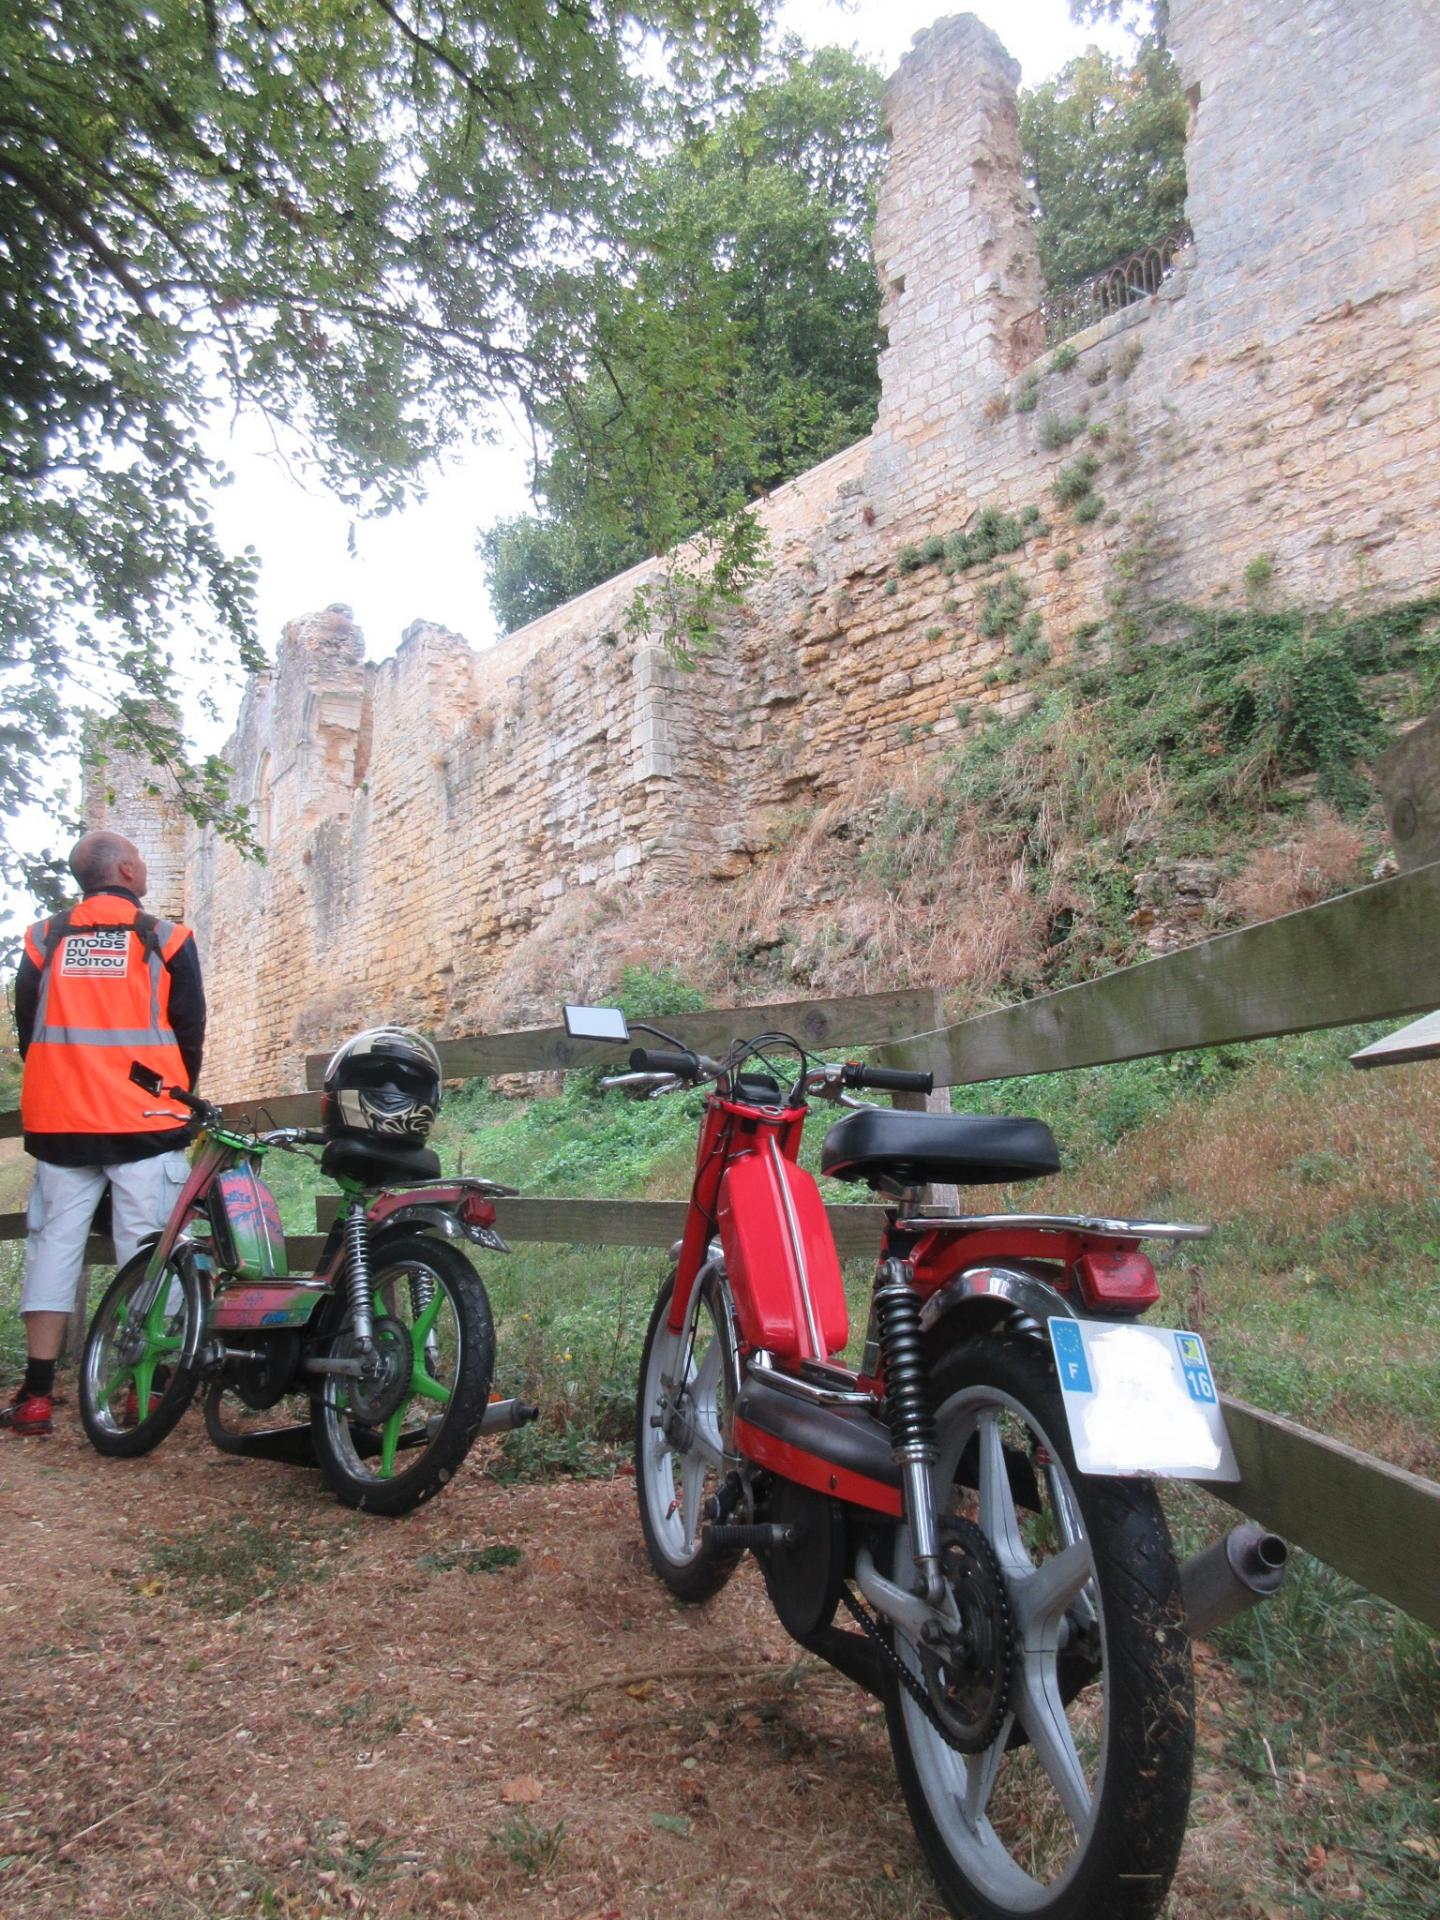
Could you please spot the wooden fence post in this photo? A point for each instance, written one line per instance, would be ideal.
(944, 1197)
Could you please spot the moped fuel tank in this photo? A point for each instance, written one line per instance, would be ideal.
(780, 1257)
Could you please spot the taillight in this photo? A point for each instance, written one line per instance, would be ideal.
(477, 1211)
(1118, 1282)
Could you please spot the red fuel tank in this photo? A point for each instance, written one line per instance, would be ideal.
(780, 1255)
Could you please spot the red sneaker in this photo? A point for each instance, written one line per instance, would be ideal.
(130, 1410)
(28, 1413)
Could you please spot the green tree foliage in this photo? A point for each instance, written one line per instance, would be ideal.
(737, 334)
(345, 214)
(1104, 148)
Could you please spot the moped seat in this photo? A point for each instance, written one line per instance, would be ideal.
(376, 1162)
(913, 1149)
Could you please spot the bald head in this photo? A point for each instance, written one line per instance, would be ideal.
(104, 859)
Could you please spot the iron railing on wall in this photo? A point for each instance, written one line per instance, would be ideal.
(1138, 277)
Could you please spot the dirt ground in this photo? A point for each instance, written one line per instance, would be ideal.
(222, 1694)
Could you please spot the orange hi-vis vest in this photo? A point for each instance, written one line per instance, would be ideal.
(104, 1001)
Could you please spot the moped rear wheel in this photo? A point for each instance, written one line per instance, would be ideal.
(390, 1443)
(1076, 1669)
(133, 1389)
(682, 1437)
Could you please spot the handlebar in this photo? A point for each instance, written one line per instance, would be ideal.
(684, 1066)
(886, 1079)
(656, 1070)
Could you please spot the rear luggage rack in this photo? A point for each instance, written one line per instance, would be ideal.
(1061, 1223)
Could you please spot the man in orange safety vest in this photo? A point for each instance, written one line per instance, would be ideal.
(99, 986)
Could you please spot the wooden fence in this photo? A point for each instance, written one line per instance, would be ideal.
(1369, 955)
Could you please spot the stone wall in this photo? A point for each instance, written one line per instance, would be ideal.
(125, 792)
(1277, 403)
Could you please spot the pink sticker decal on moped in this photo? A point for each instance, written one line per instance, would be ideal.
(282, 1306)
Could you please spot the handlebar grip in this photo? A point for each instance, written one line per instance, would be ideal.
(685, 1066)
(187, 1099)
(888, 1079)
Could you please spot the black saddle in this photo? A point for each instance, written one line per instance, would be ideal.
(372, 1161)
(913, 1149)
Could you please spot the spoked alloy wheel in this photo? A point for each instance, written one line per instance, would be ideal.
(1076, 1808)
(394, 1439)
(132, 1387)
(682, 1437)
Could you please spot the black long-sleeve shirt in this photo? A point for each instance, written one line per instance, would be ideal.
(187, 1020)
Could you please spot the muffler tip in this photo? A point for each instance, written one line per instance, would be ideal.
(1259, 1558)
(1234, 1574)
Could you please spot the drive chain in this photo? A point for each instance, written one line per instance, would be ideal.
(915, 1687)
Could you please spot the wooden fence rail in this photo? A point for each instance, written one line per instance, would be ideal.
(859, 1020)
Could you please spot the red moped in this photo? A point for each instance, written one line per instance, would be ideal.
(1022, 1620)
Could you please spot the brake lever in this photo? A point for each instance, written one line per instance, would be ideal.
(644, 1086)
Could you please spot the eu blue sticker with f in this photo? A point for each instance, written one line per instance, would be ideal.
(1070, 1361)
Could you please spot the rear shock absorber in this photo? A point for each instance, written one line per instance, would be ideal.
(911, 1419)
(422, 1292)
(357, 1256)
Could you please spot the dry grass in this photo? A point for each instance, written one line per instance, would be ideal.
(1324, 856)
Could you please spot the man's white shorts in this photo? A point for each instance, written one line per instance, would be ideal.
(62, 1205)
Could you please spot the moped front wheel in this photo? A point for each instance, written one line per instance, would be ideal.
(1057, 1782)
(390, 1440)
(682, 1437)
(133, 1389)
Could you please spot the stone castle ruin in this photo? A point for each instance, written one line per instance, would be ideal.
(1277, 403)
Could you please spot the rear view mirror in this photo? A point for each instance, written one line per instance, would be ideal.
(146, 1077)
(596, 1023)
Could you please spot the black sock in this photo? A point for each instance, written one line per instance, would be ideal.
(40, 1377)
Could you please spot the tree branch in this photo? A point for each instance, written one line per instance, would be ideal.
(71, 217)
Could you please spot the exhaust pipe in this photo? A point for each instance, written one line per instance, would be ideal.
(501, 1416)
(1236, 1573)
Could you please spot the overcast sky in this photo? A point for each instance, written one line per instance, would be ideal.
(421, 564)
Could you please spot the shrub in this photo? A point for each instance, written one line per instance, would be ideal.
(993, 534)
(1072, 483)
(1004, 606)
(1057, 430)
(1258, 574)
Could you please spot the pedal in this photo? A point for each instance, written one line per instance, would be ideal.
(757, 1538)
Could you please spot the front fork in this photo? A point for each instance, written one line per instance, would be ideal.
(911, 1418)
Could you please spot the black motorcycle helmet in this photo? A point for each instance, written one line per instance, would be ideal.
(383, 1082)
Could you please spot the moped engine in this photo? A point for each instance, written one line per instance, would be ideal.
(804, 1577)
(269, 1374)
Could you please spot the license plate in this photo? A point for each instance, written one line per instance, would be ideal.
(1141, 1399)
